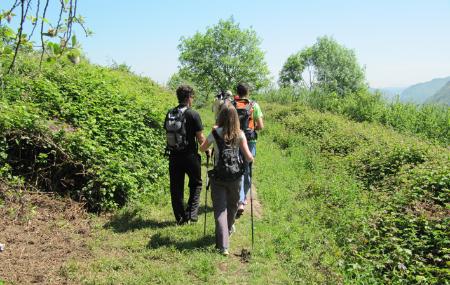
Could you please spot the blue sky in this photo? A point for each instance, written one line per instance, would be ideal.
(400, 42)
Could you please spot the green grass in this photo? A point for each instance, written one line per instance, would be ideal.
(339, 206)
(142, 245)
(343, 202)
(306, 203)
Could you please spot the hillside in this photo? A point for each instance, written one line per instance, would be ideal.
(442, 96)
(92, 133)
(342, 203)
(339, 201)
(420, 92)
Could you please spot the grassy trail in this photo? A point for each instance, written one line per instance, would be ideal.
(142, 245)
(294, 241)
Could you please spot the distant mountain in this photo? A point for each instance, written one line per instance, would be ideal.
(419, 93)
(389, 93)
(442, 96)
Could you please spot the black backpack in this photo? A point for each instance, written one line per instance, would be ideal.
(175, 125)
(230, 165)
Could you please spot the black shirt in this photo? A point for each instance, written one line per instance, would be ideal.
(193, 125)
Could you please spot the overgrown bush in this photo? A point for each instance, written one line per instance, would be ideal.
(428, 121)
(377, 161)
(409, 240)
(406, 238)
(90, 131)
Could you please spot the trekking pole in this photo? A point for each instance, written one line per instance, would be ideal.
(251, 205)
(251, 214)
(206, 193)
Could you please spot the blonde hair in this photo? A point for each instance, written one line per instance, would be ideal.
(228, 119)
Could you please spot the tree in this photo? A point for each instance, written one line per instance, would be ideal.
(331, 67)
(294, 67)
(222, 57)
(55, 40)
(176, 80)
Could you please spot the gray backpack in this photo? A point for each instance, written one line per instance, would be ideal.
(175, 125)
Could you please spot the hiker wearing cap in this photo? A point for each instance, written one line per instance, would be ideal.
(251, 120)
(229, 146)
(184, 130)
(221, 98)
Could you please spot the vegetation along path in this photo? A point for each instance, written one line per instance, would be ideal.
(294, 239)
(317, 216)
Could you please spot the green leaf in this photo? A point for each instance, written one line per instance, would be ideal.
(74, 41)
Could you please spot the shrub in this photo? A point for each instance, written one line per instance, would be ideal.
(89, 131)
(374, 163)
(405, 237)
(408, 242)
(428, 121)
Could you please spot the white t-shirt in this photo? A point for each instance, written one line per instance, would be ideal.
(212, 140)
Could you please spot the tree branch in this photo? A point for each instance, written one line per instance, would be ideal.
(19, 36)
(42, 33)
(37, 16)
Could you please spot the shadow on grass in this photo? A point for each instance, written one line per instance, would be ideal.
(158, 241)
(201, 210)
(131, 221)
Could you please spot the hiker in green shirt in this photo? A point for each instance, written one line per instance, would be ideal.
(251, 120)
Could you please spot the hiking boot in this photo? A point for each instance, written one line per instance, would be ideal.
(181, 222)
(192, 221)
(224, 251)
(240, 210)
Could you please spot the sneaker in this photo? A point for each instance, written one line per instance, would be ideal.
(240, 210)
(232, 231)
(192, 221)
(187, 221)
(224, 252)
(181, 222)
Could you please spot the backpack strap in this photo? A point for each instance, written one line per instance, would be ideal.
(183, 109)
(234, 102)
(250, 105)
(218, 139)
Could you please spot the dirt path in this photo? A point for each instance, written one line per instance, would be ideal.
(257, 207)
(44, 233)
(41, 233)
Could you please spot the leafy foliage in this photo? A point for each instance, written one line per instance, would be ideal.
(222, 57)
(331, 67)
(428, 121)
(88, 131)
(61, 30)
(410, 241)
(406, 235)
(201, 95)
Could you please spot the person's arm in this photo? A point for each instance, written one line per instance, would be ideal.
(200, 137)
(205, 145)
(197, 127)
(259, 124)
(245, 150)
(258, 115)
